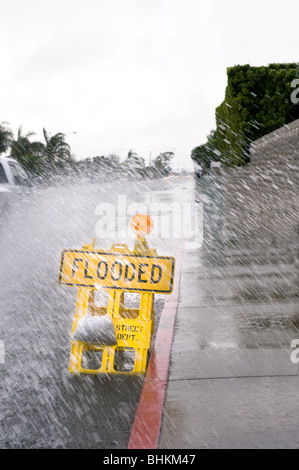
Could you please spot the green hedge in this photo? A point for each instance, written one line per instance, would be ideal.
(257, 101)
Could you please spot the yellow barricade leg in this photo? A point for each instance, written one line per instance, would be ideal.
(83, 298)
(76, 357)
(134, 332)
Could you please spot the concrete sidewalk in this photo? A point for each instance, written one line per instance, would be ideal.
(231, 381)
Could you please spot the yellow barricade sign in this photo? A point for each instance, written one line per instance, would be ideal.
(117, 271)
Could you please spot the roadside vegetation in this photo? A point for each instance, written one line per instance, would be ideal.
(257, 101)
(53, 158)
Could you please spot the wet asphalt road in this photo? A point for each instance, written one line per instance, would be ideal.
(242, 329)
(41, 404)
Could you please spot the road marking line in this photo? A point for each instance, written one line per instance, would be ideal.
(146, 428)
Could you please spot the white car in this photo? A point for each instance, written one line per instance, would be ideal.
(14, 181)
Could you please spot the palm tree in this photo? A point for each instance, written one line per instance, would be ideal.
(28, 153)
(6, 137)
(22, 146)
(56, 151)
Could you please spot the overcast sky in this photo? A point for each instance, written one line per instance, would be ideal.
(133, 74)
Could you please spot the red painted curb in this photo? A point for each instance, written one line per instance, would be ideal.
(146, 428)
